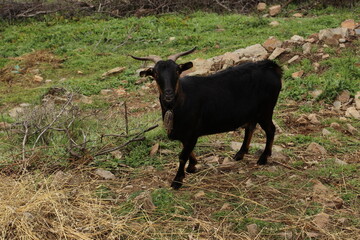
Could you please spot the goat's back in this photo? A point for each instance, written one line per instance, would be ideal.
(231, 98)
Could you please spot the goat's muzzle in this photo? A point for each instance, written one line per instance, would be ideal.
(169, 96)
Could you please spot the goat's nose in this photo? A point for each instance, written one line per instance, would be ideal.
(169, 95)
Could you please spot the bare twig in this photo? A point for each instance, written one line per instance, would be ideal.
(54, 120)
(223, 6)
(126, 119)
(25, 124)
(134, 139)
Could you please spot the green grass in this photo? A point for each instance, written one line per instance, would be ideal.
(94, 45)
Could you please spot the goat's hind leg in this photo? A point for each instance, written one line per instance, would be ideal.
(269, 129)
(192, 163)
(249, 130)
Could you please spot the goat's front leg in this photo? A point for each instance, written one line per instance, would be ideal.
(188, 146)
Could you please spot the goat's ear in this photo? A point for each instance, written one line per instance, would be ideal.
(147, 72)
(185, 66)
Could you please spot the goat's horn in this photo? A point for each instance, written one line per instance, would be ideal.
(153, 58)
(176, 56)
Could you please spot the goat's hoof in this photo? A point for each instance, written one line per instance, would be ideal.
(262, 160)
(176, 185)
(239, 156)
(191, 169)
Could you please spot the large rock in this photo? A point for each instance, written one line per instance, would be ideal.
(357, 100)
(274, 10)
(306, 48)
(200, 67)
(261, 6)
(352, 112)
(332, 35)
(344, 96)
(257, 52)
(326, 196)
(271, 43)
(316, 148)
(277, 52)
(322, 220)
(349, 23)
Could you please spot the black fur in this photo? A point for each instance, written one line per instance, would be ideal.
(239, 96)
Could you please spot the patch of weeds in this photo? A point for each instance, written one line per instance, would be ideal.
(138, 155)
(330, 169)
(313, 208)
(266, 227)
(166, 202)
(297, 164)
(103, 191)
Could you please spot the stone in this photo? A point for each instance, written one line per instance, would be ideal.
(302, 120)
(38, 79)
(226, 206)
(325, 132)
(293, 59)
(340, 162)
(313, 118)
(325, 56)
(337, 105)
(113, 71)
(261, 6)
(343, 221)
(351, 129)
(348, 23)
(297, 39)
(249, 183)
(253, 230)
(255, 51)
(106, 92)
(341, 45)
(335, 125)
(154, 149)
(235, 146)
(116, 154)
(144, 201)
(5, 125)
(342, 40)
(306, 48)
(316, 66)
(353, 113)
(326, 196)
(316, 148)
(316, 93)
(286, 235)
(227, 160)
(16, 112)
(199, 195)
(357, 100)
(297, 15)
(104, 174)
(274, 10)
(335, 33)
(277, 52)
(310, 40)
(297, 74)
(212, 159)
(331, 41)
(120, 91)
(172, 38)
(322, 220)
(200, 67)
(274, 23)
(271, 43)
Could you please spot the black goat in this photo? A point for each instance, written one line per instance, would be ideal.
(239, 96)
